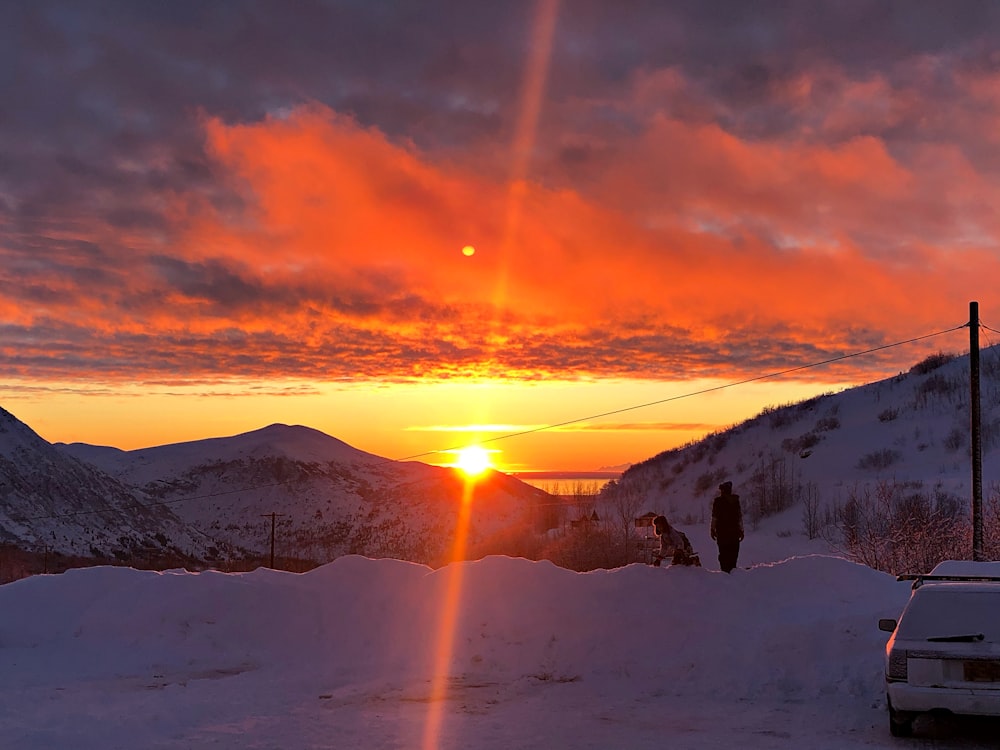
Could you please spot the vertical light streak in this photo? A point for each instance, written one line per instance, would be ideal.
(536, 74)
(525, 134)
(448, 622)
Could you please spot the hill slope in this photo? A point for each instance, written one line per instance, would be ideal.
(911, 431)
(51, 501)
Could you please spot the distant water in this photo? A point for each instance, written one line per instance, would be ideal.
(557, 483)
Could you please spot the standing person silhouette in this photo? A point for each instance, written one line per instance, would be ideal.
(727, 526)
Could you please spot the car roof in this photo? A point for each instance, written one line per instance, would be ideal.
(983, 576)
(966, 568)
(965, 587)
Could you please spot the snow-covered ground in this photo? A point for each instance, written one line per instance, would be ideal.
(498, 653)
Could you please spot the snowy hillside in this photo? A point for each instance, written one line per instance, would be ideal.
(329, 498)
(496, 654)
(50, 501)
(912, 430)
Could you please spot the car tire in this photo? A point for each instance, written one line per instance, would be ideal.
(900, 722)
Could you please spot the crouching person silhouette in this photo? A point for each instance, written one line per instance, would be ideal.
(673, 544)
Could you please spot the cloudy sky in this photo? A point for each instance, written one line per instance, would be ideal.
(218, 215)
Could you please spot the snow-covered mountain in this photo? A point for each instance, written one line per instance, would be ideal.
(49, 501)
(329, 499)
(911, 431)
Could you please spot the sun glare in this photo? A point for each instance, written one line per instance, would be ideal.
(473, 461)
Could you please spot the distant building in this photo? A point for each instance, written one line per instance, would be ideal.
(585, 521)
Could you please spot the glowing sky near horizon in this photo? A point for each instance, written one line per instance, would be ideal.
(214, 217)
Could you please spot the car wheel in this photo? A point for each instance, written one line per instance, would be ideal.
(900, 722)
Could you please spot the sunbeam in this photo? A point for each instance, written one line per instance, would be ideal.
(450, 606)
(536, 75)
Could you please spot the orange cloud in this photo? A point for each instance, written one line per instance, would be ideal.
(706, 232)
(689, 251)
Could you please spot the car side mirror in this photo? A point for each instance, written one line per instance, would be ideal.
(887, 624)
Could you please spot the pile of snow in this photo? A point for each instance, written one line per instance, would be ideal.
(355, 653)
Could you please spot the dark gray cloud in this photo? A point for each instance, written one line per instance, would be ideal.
(101, 132)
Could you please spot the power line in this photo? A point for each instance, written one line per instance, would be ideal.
(989, 341)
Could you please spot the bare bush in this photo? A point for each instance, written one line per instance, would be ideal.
(931, 363)
(937, 385)
(813, 520)
(801, 443)
(878, 460)
(990, 433)
(621, 506)
(891, 530)
(888, 415)
(827, 423)
(588, 546)
(709, 480)
(991, 523)
(955, 440)
(782, 417)
(771, 489)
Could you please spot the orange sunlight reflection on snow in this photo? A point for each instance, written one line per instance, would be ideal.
(444, 647)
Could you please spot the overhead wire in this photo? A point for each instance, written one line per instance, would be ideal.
(989, 342)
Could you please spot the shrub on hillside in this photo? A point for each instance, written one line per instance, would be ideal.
(708, 481)
(888, 415)
(931, 363)
(809, 403)
(801, 443)
(990, 434)
(814, 517)
(827, 423)
(937, 384)
(783, 416)
(878, 460)
(771, 489)
(955, 440)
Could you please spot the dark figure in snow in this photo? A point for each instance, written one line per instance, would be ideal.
(673, 544)
(727, 526)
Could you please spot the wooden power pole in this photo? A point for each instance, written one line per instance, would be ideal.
(977, 446)
(272, 516)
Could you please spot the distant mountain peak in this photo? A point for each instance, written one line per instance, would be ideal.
(294, 441)
(17, 437)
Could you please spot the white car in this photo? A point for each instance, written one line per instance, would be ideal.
(944, 652)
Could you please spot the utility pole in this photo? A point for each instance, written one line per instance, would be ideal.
(977, 447)
(272, 516)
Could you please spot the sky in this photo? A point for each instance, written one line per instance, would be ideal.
(492, 654)
(217, 216)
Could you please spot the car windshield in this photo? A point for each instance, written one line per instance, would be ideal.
(940, 613)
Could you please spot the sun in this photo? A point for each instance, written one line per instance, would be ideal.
(473, 460)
